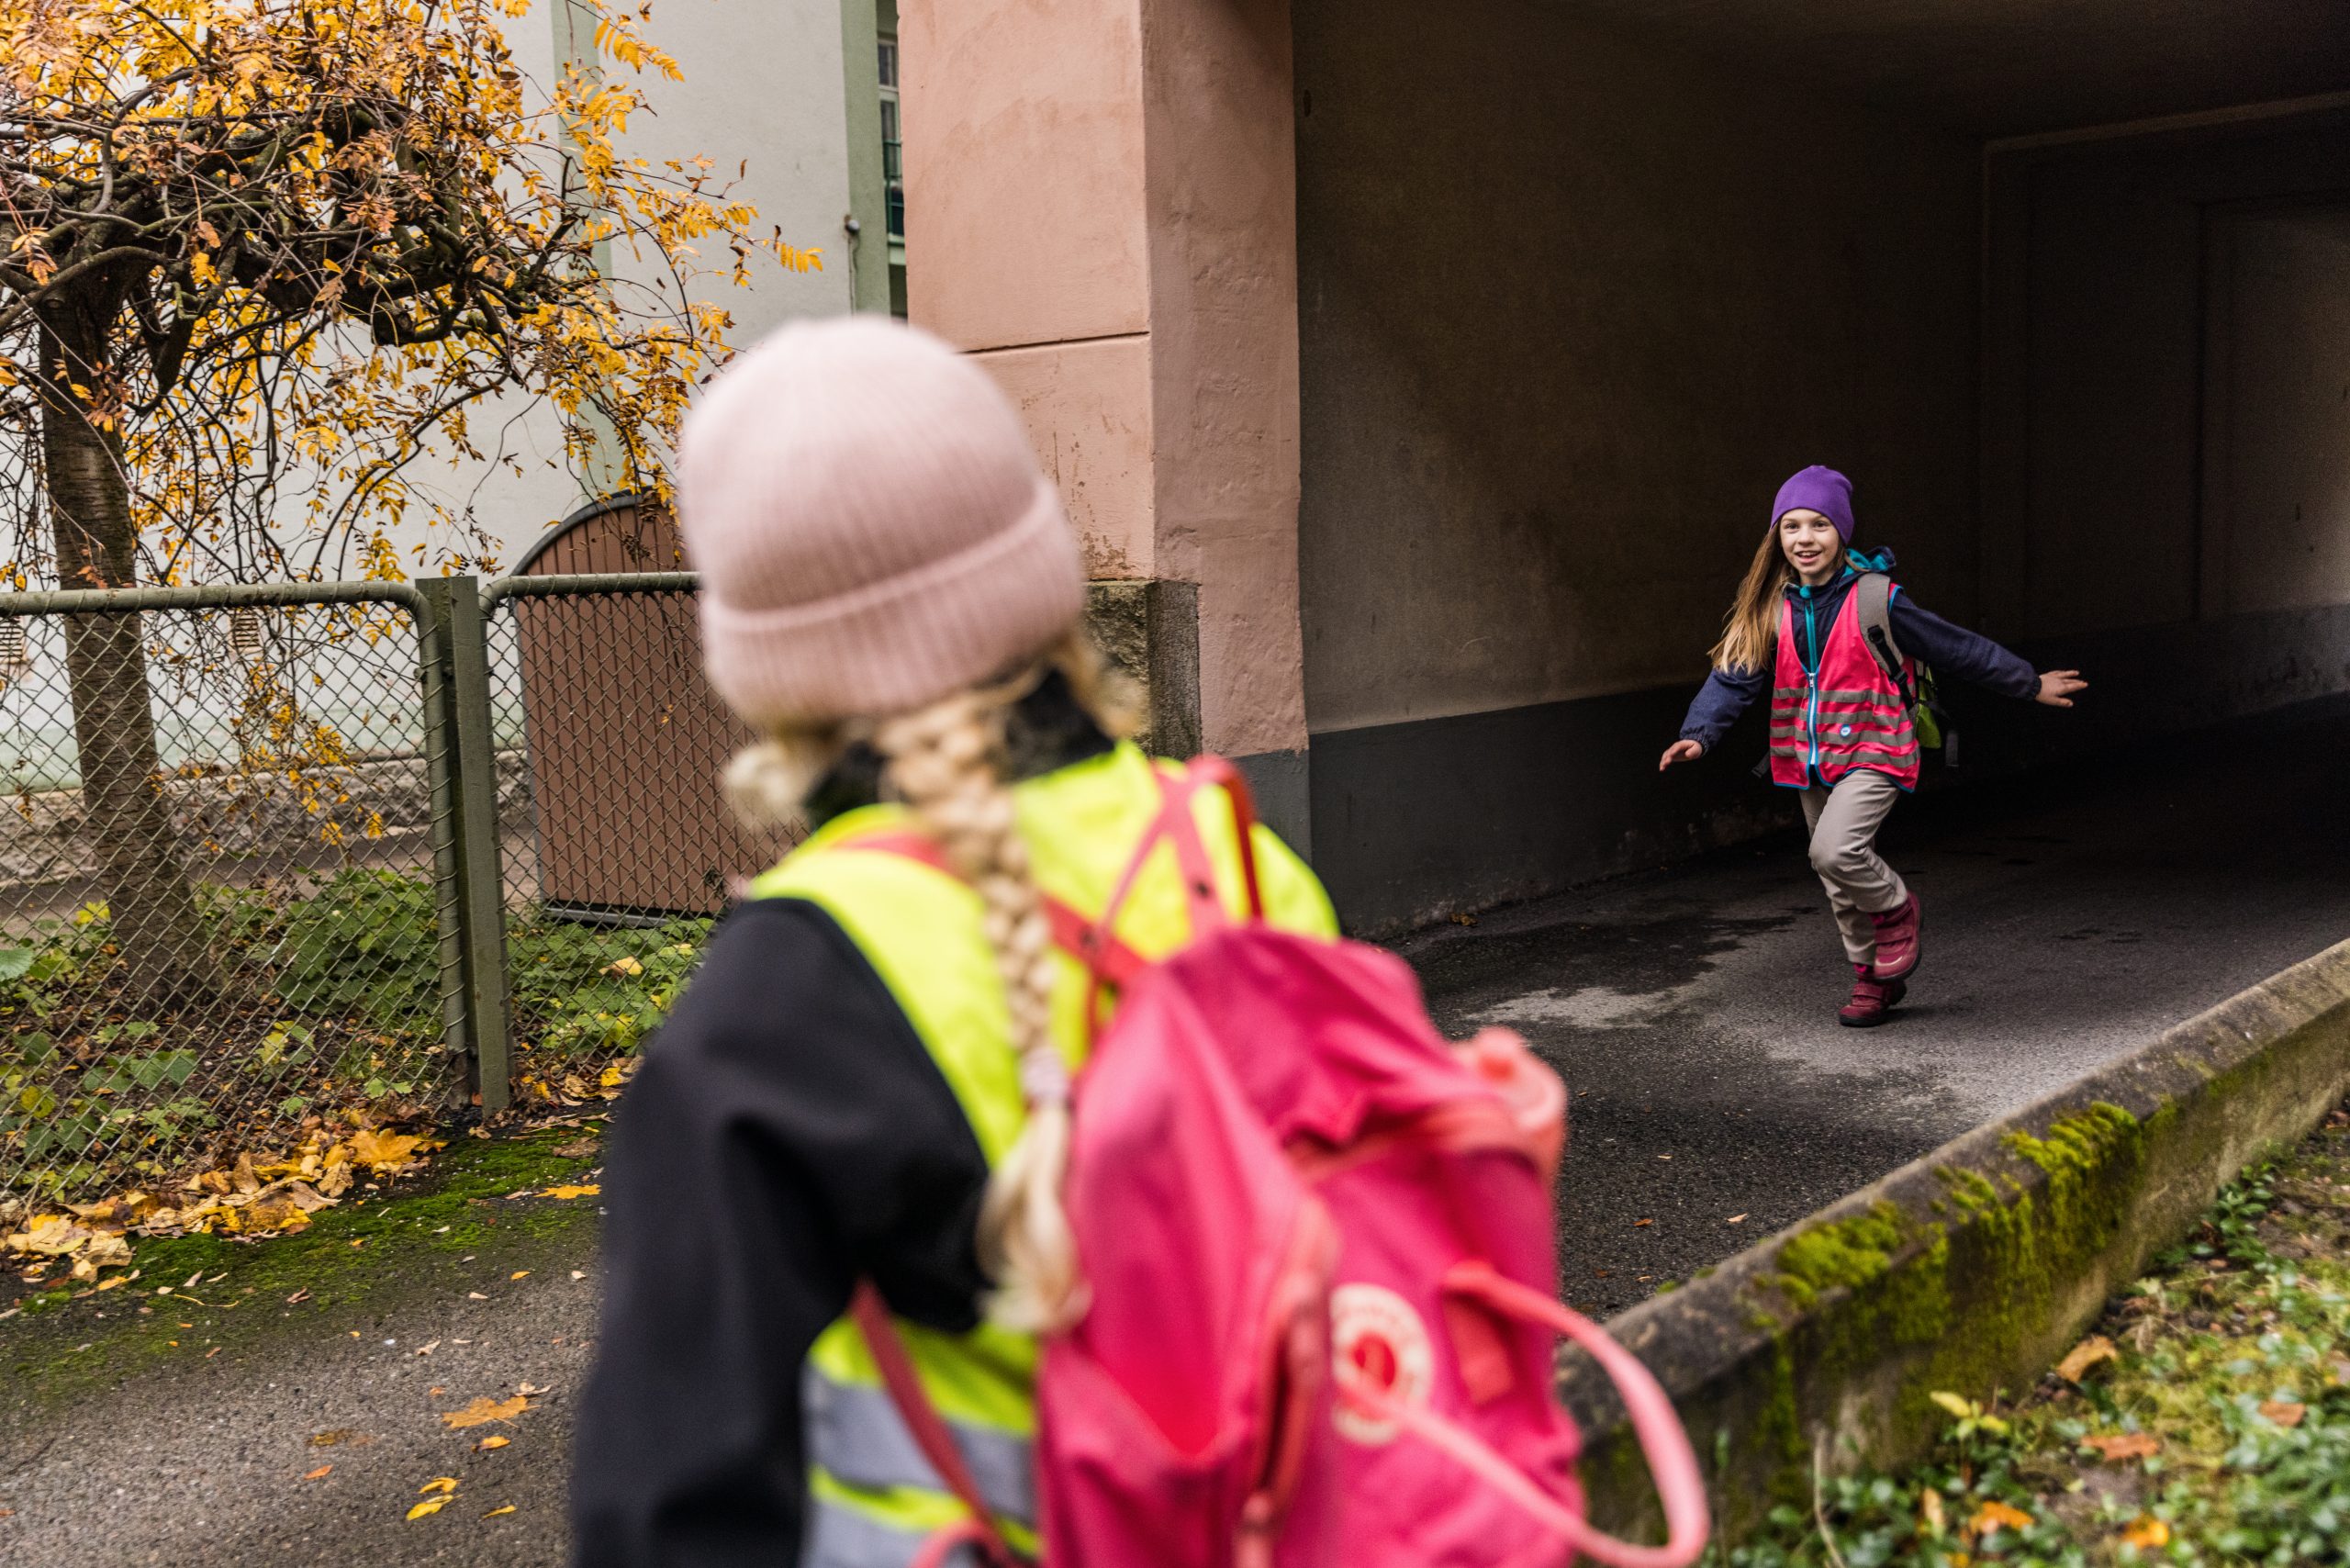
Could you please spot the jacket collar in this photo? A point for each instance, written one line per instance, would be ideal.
(1044, 732)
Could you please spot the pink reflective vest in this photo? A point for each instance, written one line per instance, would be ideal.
(1847, 714)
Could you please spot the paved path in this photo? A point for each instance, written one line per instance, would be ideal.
(2068, 917)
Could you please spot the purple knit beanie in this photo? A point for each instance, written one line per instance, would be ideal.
(1823, 490)
(870, 524)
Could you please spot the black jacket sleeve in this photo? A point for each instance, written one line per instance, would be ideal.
(787, 1135)
(1954, 650)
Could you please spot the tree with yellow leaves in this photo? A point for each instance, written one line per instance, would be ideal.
(259, 256)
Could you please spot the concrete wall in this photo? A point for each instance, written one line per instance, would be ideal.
(2276, 528)
(1108, 189)
(1570, 310)
(2147, 298)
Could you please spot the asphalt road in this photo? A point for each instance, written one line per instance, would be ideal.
(2069, 916)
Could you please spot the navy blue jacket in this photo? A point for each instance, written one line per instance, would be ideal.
(1923, 636)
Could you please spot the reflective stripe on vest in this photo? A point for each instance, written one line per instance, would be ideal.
(875, 1496)
(1845, 716)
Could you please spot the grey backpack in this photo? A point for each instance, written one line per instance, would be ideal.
(1873, 604)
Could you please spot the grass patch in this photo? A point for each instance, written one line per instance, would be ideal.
(2205, 1421)
(325, 998)
(375, 1249)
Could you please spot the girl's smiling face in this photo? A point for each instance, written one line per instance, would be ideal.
(1813, 547)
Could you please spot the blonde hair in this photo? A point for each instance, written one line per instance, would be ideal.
(1752, 624)
(946, 761)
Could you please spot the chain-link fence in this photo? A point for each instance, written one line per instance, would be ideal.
(616, 848)
(275, 853)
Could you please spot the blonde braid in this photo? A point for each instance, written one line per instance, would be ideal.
(944, 764)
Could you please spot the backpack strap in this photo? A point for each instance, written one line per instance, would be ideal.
(1873, 609)
(931, 1435)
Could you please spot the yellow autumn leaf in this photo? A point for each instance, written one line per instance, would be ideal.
(494, 1512)
(587, 1192)
(1997, 1516)
(381, 1150)
(2147, 1534)
(483, 1410)
(625, 965)
(2088, 1353)
(439, 1484)
(431, 1506)
(493, 1443)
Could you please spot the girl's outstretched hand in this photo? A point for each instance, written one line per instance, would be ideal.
(2057, 686)
(1680, 751)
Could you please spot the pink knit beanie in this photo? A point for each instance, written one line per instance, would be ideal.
(870, 526)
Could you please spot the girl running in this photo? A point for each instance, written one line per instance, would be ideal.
(868, 1077)
(1841, 727)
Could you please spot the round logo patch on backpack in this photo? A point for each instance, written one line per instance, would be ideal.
(1377, 1338)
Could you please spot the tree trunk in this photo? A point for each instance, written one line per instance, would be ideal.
(157, 930)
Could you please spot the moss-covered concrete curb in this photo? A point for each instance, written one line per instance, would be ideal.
(1973, 1269)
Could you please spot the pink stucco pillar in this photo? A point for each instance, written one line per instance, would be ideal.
(1101, 205)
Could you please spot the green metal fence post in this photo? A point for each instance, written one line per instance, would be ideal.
(484, 879)
(462, 763)
(432, 637)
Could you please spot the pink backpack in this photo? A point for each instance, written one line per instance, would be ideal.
(1319, 1245)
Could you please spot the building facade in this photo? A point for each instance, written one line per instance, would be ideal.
(1443, 362)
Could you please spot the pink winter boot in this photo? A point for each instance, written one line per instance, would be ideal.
(1897, 940)
(1872, 1000)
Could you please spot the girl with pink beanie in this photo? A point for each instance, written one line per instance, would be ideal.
(867, 1079)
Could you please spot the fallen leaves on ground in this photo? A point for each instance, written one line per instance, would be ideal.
(2118, 1446)
(1639, 1223)
(2284, 1411)
(340, 1435)
(483, 1410)
(439, 1484)
(590, 1191)
(2088, 1353)
(255, 1196)
(2146, 1535)
(488, 1443)
(425, 1509)
(494, 1512)
(1996, 1516)
(318, 1474)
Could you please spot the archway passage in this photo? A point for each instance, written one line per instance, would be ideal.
(2060, 285)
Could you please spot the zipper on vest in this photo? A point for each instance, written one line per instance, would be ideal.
(1811, 675)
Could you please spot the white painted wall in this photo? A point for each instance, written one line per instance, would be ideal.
(763, 95)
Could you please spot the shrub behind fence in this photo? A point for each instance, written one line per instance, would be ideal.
(431, 848)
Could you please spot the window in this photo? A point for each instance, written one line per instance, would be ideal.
(892, 168)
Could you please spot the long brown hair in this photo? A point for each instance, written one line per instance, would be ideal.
(1753, 624)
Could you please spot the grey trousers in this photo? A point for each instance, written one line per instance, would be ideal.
(1844, 822)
